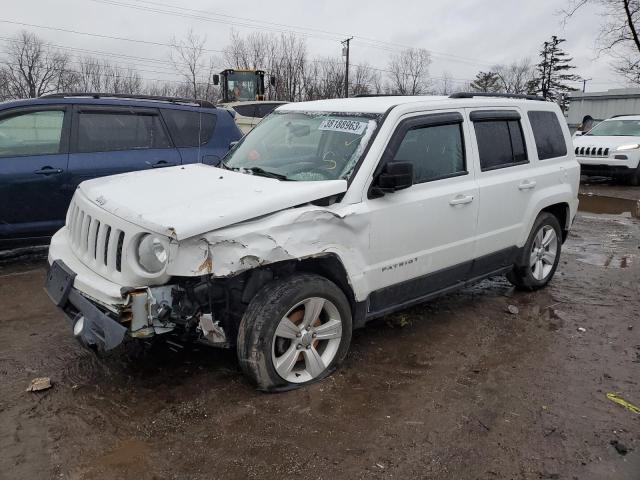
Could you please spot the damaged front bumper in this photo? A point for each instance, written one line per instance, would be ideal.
(143, 313)
(92, 326)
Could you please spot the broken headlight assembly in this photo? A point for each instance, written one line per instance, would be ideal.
(152, 253)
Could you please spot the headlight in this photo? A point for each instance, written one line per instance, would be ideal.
(623, 148)
(152, 253)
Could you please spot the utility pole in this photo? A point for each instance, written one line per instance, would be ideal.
(345, 53)
(584, 83)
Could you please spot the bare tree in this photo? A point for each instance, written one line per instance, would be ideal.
(251, 52)
(445, 84)
(189, 58)
(515, 77)
(326, 79)
(91, 75)
(33, 69)
(119, 80)
(619, 34)
(5, 94)
(408, 71)
(286, 60)
(363, 80)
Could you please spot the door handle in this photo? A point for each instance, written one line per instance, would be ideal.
(162, 163)
(48, 171)
(527, 185)
(461, 200)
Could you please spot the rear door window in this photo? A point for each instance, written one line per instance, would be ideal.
(112, 130)
(189, 129)
(31, 133)
(435, 151)
(548, 135)
(500, 143)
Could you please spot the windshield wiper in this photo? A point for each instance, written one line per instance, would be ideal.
(266, 173)
(258, 171)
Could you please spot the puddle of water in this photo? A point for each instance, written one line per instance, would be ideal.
(609, 205)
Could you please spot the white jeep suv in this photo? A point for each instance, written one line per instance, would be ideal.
(611, 148)
(327, 215)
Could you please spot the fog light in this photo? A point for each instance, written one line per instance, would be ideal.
(78, 326)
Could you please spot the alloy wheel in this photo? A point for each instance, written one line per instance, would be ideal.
(306, 340)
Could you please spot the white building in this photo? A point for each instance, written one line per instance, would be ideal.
(602, 105)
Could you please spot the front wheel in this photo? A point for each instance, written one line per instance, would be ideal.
(540, 255)
(295, 331)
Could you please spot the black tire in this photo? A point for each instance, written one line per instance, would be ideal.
(264, 313)
(522, 275)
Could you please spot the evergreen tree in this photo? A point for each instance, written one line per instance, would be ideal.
(486, 82)
(553, 71)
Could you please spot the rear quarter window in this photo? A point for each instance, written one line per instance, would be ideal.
(548, 135)
(245, 110)
(189, 129)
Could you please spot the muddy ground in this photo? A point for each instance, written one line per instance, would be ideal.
(459, 388)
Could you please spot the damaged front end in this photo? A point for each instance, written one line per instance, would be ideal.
(193, 309)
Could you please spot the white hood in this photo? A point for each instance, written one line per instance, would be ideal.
(605, 142)
(184, 201)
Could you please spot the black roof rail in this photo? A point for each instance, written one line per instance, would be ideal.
(498, 95)
(625, 115)
(155, 98)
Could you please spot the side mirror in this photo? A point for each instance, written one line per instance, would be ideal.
(272, 81)
(216, 79)
(578, 133)
(395, 176)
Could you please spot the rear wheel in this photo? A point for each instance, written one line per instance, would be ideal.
(295, 331)
(540, 255)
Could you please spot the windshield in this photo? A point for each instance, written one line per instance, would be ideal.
(616, 128)
(305, 145)
(241, 86)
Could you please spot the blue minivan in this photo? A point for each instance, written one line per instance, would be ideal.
(50, 144)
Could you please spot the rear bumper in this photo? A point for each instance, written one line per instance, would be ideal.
(92, 326)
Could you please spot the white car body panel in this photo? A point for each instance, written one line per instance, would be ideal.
(220, 223)
(180, 202)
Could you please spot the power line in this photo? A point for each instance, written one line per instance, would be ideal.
(151, 43)
(335, 35)
(153, 61)
(332, 36)
(97, 35)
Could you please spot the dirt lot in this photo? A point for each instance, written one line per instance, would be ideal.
(459, 388)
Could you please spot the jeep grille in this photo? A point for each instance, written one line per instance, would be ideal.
(592, 151)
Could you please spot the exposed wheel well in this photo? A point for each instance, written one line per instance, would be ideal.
(249, 283)
(561, 212)
(328, 266)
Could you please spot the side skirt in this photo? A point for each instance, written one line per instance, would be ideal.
(418, 290)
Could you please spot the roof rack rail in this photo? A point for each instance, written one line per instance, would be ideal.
(498, 95)
(625, 115)
(176, 100)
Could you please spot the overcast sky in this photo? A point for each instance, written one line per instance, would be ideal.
(464, 36)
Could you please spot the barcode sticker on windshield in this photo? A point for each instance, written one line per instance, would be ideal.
(339, 125)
